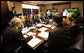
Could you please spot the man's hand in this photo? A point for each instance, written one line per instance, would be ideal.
(24, 33)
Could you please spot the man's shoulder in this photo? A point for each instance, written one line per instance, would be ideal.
(54, 30)
(59, 29)
(10, 12)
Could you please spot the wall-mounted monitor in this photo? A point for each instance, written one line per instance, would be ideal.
(73, 11)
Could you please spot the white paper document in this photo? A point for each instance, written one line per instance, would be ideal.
(32, 27)
(34, 42)
(26, 30)
(48, 25)
(25, 36)
(39, 25)
(30, 33)
(42, 29)
(44, 35)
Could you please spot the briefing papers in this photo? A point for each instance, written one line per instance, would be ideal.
(33, 42)
(48, 25)
(28, 34)
(42, 29)
(39, 25)
(44, 35)
(26, 30)
(32, 27)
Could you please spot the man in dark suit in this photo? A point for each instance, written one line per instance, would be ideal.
(38, 19)
(43, 18)
(56, 40)
(34, 16)
(29, 21)
(12, 13)
(13, 37)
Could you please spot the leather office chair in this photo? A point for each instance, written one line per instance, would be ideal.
(77, 45)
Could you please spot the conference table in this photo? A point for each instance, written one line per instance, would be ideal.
(42, 40)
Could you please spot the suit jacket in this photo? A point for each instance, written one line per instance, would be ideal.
(23, 25)
(13, 38)
(43, 19)
(34, 19)
(46, 17)
(29, 22)
(57, 39)
(11, 15)
(38, 20)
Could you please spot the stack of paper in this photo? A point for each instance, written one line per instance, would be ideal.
(42, 29)
(44, 35)
(34, 42)
(26, 30)
(48, 25)
(39, 25)
(32, 27)
(30, 33)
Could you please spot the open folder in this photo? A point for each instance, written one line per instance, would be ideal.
(42, 29)
(44, 35)
(33, 42)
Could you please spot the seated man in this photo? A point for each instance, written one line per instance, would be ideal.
(38, 19)
(29, 21)
(56, 41)
(43, 18)
(34, 17)
(13, 37)
(23, 25)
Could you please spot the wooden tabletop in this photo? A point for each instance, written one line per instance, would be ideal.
(42, 40)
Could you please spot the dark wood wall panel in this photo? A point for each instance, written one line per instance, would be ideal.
(4, 15)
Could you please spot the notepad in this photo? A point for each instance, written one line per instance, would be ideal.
(42, 29)
(44, 35)
(34, 42)
(48, 25)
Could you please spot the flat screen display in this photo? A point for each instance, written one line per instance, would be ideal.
(73, 11)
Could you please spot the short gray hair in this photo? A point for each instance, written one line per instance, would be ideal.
(15, 21)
